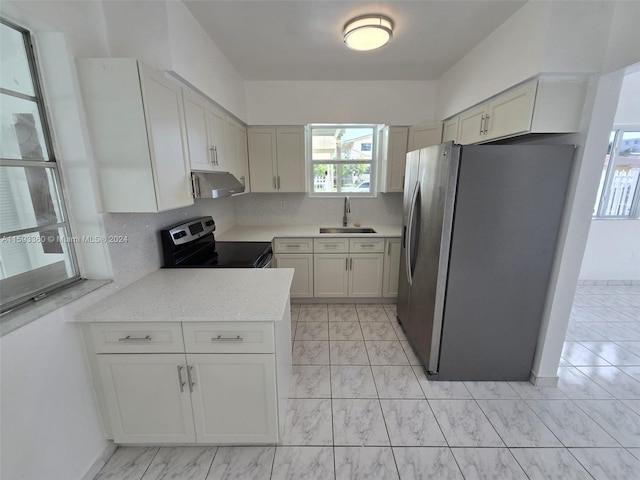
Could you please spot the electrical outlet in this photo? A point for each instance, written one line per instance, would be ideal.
(283, 204)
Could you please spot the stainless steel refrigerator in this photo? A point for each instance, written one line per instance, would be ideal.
(480, 228)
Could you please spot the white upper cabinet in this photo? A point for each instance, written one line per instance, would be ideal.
(392, 158)
(450, 129)
(421, 136)
(544, 105)
(242, 159)
(136, 120)
(276, 159)
(216, 138)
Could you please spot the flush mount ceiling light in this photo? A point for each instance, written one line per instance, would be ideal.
(368, 32)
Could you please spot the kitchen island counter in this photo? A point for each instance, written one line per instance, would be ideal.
(198, 295)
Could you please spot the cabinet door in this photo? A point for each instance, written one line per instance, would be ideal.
(242, 159)
(230, 141)
(470, 128)
(331, 275)
(167, 138)
(365, 275)
(391, 268)
(262, 159)
(195, 113)
(290, 155)
(450, 130)
(234, 398)
(302, 285)
(216, 121)
(421, 136)
(146, 399)
(511, 113)
(396, 159)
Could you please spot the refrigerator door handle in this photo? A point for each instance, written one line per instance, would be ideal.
(409, 234)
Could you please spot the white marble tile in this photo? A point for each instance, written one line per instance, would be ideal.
(127, 463)
(392, 310)
(295, 311)
(352, 382)
(528, 391)
(586, 301)
(372, 313)
(613, 353)
(632, 312)
(632, 347)
(312, 331)
(615, 381)
(421, 463)
(581, 331)
(310, 381)
(352, 352)
(358, 422)
(310, 353)
(578, 355)
(186, 463)
(396, 382)
(365, 463)
(574, 384)
(488, 463)
(632, 372)
(386, 352)
(408, 351)
(308, 422)
(633, 405)
(549, 464)
(248, 463)
(571, 425)
(621, 422)
(618, 331)
(399, 332)
(296, 463)
(411, 423)
(564, 363)
(313, 313)
(517, 424)
(491, 390)
(345, 331)
(442, 390)
(339, 313)
(464, 424)
(608, 463)
(635, 452)
(378, 331)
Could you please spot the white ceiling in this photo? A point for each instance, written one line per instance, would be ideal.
(302, 39)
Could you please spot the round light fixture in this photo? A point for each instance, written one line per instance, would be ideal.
(368, 32)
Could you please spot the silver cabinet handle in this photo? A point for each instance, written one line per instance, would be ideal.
(346, 264)
(278, 182)
(180, 381)
(368, 245)
(129, 338)
(215, 150)
(351, 263)
(275, 185)
(389, 248)
(293, 245)
(486, 124)
(482, 124)
(190, 378)
(212, 160)
(220, 338)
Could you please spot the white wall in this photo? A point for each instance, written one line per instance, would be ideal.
(300, 103)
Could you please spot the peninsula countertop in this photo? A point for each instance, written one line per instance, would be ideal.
(198, 295)
(266, 233)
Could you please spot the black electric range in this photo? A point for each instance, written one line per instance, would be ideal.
(192, 245)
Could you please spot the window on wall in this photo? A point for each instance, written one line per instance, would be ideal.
(342, 159)
(619, 189)
(36, 254)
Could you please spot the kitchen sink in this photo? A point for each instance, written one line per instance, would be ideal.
(346, 230)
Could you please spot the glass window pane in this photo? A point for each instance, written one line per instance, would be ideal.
(14, 65)
(356, 178)
(21, 135)
(31, 262)
(325, 178)
(624, 181)
(341, 143)
(28, 198)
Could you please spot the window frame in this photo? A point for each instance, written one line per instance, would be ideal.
(309, 162)
(50, 162)
(605, 193)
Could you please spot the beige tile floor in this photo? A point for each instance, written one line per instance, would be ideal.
(362, 408)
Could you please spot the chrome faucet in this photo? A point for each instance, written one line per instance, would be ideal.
(347, 209)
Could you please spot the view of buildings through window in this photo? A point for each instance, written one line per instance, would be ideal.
(36, 254)
(343, 159)
(619, 189)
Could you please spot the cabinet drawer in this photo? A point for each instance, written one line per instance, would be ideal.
(331, 245)
(228, 337)
(366, 245)
(293, 245)
(143, 337)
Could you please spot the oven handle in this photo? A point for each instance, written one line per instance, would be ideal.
(266, 260)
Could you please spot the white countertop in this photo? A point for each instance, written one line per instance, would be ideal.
(266, 233)
(198, 295)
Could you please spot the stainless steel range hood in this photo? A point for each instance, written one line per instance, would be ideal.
(215, 184)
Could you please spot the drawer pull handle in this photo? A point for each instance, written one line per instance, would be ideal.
(129, 338)
(292, 245)
(180, 381)
(331, 245)
(370, 245)
(220, 338)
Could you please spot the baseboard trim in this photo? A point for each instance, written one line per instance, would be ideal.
(594, 283)
(537, 381)
(100, 462)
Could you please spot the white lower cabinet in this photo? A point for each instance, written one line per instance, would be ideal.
(331, 275)
(302, 284)
(391, 267)
(365, 275)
